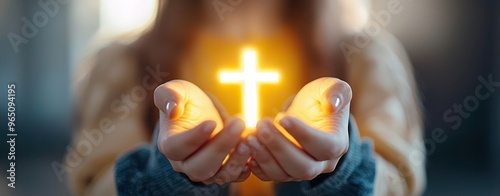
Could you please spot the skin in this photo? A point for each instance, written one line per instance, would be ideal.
(196, 143)
(192, 137)
(306, 140)
(313, 134)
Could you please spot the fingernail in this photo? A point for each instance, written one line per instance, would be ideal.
(336, 102)
(339, 95)
(170, 107)
(252, 140)
(265, 134)
(243, 149)
(285, 123)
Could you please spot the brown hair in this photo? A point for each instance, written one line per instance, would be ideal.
(178, 20)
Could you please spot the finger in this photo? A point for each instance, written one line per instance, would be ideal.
(234, 165)
(337, 98)
(323, 104)
(244, 174)
(293, 160)
(169, 98)
(337, 94)
(266, 161)
(178, 146)
(206, 162)
(319, 144)
(208, 182)
(185, 105)
(220, 108)
(176, 166)
(331, 165)
(257, 171)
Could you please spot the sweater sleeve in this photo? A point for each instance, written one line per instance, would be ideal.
(145, 171)
(387, 110)
(354, 175)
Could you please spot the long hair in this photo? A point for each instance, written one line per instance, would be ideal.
(171, 34)
(178, 20)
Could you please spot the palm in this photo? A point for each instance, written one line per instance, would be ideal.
(193, 137)
(311, 105)
(315, 105)
(194, 108)
(316, 122)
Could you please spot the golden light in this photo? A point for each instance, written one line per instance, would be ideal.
(124, 16)
(249, 78)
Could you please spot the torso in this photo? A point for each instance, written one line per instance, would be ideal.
(211, 54)
(278, 52)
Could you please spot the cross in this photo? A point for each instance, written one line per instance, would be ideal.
(250, 78)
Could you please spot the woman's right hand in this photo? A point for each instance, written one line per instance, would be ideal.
(194, 139)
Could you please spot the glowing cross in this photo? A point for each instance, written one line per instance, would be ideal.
(250, 79)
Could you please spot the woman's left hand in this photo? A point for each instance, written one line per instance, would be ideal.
(311, 138)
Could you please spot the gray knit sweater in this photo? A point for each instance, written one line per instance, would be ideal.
(145, 171)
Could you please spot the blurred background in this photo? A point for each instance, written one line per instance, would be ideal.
(450, 42)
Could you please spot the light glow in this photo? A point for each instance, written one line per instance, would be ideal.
(124, 16)
(250, 78)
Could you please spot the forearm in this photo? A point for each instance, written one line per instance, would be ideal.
(400, 163)
(387, 108)
(388, 181)
(90, 172)
(103, 183)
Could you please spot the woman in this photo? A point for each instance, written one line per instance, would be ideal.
(192, 41)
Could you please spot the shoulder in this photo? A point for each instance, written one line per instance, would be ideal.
(381, 59)
(111, 65)
(377, 50)
(116, 63)
(102, 77)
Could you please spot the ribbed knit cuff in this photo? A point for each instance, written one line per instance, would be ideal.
(354, 174)
(145, 171)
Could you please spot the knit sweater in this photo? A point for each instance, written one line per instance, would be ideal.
(145, 171)
(385, 105)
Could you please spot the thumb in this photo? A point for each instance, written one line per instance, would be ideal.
(336, 97)
(322, 96)
(336, 101)
(318, 118)
(186, 105)
(321, 102)
(169, 98)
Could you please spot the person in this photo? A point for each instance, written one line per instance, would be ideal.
(167, 126)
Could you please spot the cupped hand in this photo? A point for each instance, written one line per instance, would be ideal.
(194, 139)
(308, 139)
